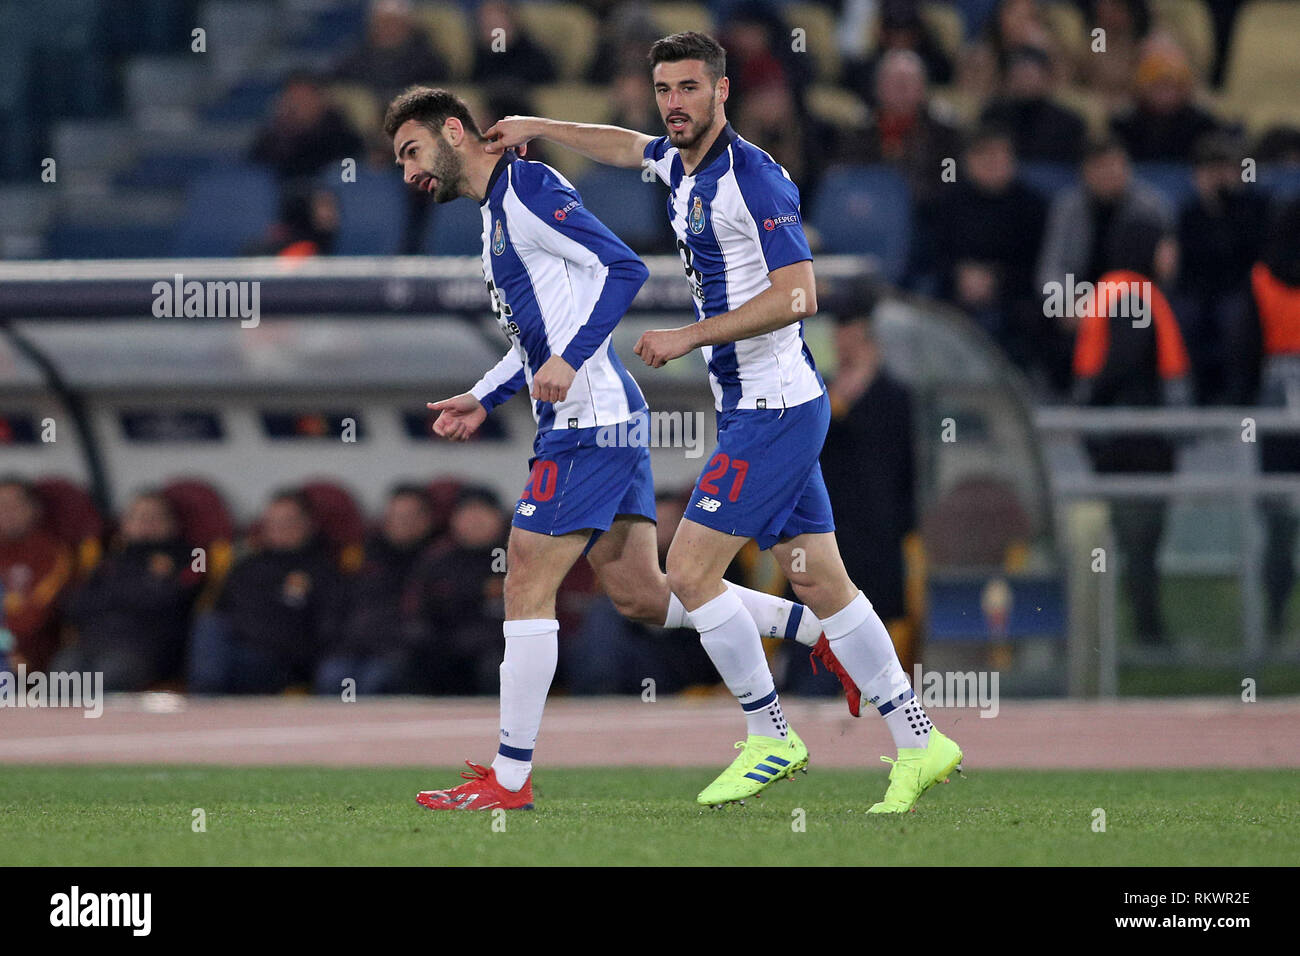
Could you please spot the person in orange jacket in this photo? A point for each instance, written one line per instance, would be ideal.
(1129, 352)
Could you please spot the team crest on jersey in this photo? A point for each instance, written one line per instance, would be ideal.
(498, 240)
(696, 218)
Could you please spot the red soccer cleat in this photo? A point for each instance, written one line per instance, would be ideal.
(822, 652)
(483, 792)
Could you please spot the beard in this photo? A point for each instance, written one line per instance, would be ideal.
(692, 134)
(449, 171)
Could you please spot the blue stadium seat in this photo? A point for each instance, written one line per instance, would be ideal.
(633, 209)
(166, 170)
(455, 229)
(865, 210)
(1048, 179)
(1171, 180)
(1280, 182)
(372, 213)
(79, 241)
(225, 209)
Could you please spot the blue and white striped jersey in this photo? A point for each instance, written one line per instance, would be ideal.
(559, 282)
(737, 219)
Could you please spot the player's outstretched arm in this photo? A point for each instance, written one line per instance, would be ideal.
(791, 297)
(611, 145)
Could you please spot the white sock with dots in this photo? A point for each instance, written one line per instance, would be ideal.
(858, 637)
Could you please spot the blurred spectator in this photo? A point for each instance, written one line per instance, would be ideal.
(626, 34)
(875, 507)
(369, 636)
(903, 131)
(1109, 72)
(308, 226)
(983, 232)
(1020, 23)
(276, 611)
(395, 54)
(901, 27)
(1165, 123)
(610, 654)
(132, 614)
(35, 568)
(504, 48)
(1272, 339)
(305, 132)
(759, 53)
(1043, 130)
(1279, 145)
(1082, 224)
(633, 104)
(1220, 232)
(797, 140)
(1130, 353)
(454, 604)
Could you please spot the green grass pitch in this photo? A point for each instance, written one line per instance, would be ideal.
(88, 816)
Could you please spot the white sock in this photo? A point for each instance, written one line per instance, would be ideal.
(532, 648)
(730, 638)
(773, 616)
(860, 641)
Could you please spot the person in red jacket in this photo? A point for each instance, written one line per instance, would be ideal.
(1129, 352)
(35, 568)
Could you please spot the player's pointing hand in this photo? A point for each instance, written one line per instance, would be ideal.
(459, 416)
(658, 347)
(513, 132)
(552, 381)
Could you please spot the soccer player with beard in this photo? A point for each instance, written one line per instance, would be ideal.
(736, 216)
(559, 282)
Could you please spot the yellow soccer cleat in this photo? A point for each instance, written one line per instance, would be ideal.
(762, 761)
(917, 770)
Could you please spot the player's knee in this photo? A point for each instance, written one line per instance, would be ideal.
(691, 587)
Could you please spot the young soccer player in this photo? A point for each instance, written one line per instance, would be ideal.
(736, 216)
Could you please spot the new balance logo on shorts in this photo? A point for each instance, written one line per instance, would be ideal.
(709, 504)
(526, 509)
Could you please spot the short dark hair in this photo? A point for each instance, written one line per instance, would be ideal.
(429, 106)
(690, 46)
(298, 498)
(409, 489)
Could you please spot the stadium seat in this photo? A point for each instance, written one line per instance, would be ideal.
(1262, 64)
(455, 229)
(1189, 22)
(340, 520)
(577, 103)
(865, 210)
(95, 241)
(68, 513)
(165, 170)
(837, 106)
(947, 24)
(818, 24)
(1066, 22)
(1171, 180)
(566, 31)
(372, 212)
(452, 34)
(206, 523)
(976, 524)
(359, 104)
(1282, 183)
(1048, 179)
(225, 209)
(679, 17)
(632, 208)
(442, 498)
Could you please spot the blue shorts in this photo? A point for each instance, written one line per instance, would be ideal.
(764, 481)
(577, 482)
